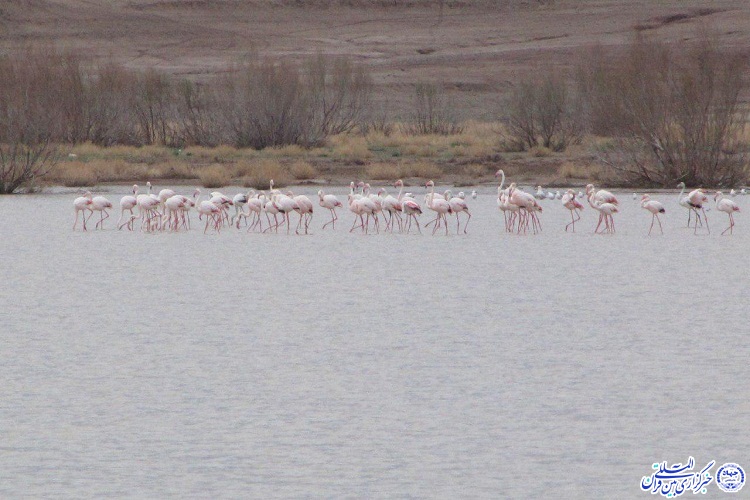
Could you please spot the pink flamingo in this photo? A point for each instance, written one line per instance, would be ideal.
(410, 207)
(655, 208)
(458, 205)
(528, 208)
(100, 204)
(570, 202)
(440, 206)
(728, 207)
(128, 202)
(696, 199)
(601, 196)
(211, 211)
(305, 210)
(605, 214)
(172, 209)
(81, 204)
(330, 203)
(392, 207)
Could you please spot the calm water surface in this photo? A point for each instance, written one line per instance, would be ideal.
(336, 364)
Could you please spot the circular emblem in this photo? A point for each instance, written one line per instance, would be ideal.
(730, 478)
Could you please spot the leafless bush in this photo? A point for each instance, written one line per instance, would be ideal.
(433, 113)
(21, 164)
(339, 93)
(680, 114)
(153, 104)
(545, 112)
(198, 122)
(377, 120)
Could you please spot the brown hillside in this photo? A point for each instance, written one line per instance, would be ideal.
(478, 48)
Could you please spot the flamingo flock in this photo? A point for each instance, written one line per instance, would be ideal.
(270, 211)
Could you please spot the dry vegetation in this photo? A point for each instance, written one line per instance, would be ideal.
(411, 90)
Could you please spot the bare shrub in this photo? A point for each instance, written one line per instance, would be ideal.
(545, 112)
(339, 93)
(22, 163)
(681, 116)
(153, 105)
(433, 113)
(196, 115)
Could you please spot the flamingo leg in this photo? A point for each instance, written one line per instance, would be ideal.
(705, 218)
(599, 224)
(659, 221)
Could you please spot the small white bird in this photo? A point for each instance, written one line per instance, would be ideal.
(580, 194)
(743, 191)
(558, 195)
(635, 196)
(732, 193)
(474, 194)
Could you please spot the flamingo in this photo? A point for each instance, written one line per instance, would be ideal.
(409, 207)
(391, 206)
(254, 207)
(355, 207)
(81, 204)
(728, 207)
(172, 208)
(685, 203)
(271, 207)
(696, 199)
(100, 204)
(163, 196)
(528, 207)
(655, 208)
(210, 210)
(502, 200)
(570, 202)
(128, 202)
(305, 210)
(440, 206)
(240, 200)
(458, 205)
(147, 205)
(605, 213)
(601, 196)
(286, 206)
(330, 203)
(369, 207)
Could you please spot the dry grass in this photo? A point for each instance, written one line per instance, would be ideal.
(302, 170)
(259, 173)
(350, 147)
(474, 170)
(422, 169)
(382, 171)
(540, 152)
(578, 170)
(214, 176)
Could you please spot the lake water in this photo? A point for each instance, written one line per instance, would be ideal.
(336, 364)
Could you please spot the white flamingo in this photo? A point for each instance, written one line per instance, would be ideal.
(128, 202)
(440, 206)
(81, 204)
(655, 208)
(100, 204)
(330, 203)
(728, 207)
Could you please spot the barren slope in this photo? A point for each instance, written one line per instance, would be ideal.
(476, 47)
